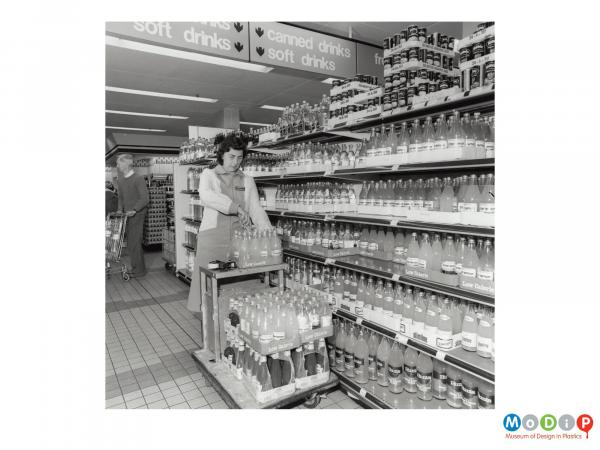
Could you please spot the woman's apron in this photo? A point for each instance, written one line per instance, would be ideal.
(214, 244)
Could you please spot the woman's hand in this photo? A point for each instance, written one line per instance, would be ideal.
(244, 218)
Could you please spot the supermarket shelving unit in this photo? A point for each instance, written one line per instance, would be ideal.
(372, 395)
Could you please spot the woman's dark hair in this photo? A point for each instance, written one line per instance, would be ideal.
(235, 140)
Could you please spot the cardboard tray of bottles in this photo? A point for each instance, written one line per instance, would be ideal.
(281, 345)
(325, 252)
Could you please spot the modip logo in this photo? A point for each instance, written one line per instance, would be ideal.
(547, 427)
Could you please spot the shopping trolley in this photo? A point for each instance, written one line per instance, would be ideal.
(116, 223)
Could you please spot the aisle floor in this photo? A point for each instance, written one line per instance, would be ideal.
(149, 336)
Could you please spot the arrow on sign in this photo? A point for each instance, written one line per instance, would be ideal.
(259, 31)
(238, 26)
(260, 51)
(239, 46)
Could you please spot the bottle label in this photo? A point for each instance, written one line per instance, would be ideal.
(455, 384)
(373, 246)
(448, 267)
(423, 264)
(456, 143)
(402, 149)
(486, 400)
(469, 272)
(469, 397)
(358, 363)
(348, 360)
(364, 245)
(339, 355)
(469, 339)
(265, 338)
(276, 252)
(264, 253)
(484, 345)
(488, 208)
(489, 145)
(467, 207)
(310, 242)
(410, 375)
(442, 377)
(441, 144)
(470, 142)
(278, 335)
(412, 148)
(458, 268)
(395, 373)
(381, 367)
(413, 262)
(423, 381)
(325, 242)
(398, 251)
(444, 340)
(428, 205)
(487, 275)
(348, 243)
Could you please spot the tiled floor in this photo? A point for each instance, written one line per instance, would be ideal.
(149, 337)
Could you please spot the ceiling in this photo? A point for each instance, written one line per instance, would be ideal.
(237, 88)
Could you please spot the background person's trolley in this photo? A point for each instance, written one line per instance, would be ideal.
(116, 223)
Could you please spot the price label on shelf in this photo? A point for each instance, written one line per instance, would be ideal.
(359, 320)
(329, 217)
(362, 392)
(440, 355)
(396, 277)
(395, 167)
(329, 261)
(401, 339)
(394, 222)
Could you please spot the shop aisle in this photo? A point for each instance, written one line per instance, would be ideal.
(149, 337)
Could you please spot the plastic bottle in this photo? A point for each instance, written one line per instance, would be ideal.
(448, 200)
(418, 325)
(431, 320)
(395, 368)
(439, 381)
(416, 137)
(388, 299)
(360, 296)
(484, 336)
(383, 353)
(486, 266)
(469, 391)
(378, 298)
(436, 254)
(469, 331)
(349, 353)
(441, 140)
(486, 396)
(403, 140)
(460, 255)
(412, 254)
(424, 377)
(373, 347)
(410, 370)
(369, 295)
(454, 391)
(469, 265)
(448, 265)
(361, 359)
(425, 254)
(456, 137)
(340, 345)
(407, 313)
(399, 248)
(398, 304)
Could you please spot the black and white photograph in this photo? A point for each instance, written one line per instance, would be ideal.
(305, 205)
(304, 215)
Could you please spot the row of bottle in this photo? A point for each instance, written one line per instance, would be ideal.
(267, 317)
(362, 356)
(196, 148)
(273, 371)
(253, 246)
(420, 313)
(191, 234)
(299, 118)
(193, 178)
(452, 134)
(195, 208)
(460, 194)
(467, 193)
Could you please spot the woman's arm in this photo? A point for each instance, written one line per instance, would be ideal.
(213, 199)
(257, 214)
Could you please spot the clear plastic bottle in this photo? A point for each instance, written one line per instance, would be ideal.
(382, 359)
(469, 265)
(424, 377)
(410, 370)
(456, 137)
(399, 248)
(349, 353)
(395, 368)
(425, 255)
(429, 137)
(448, 266)
(378, 298)
(388, 299)
(361, 359)
(340, 345)
(407, 313)
(412, 253)
(373, 347)
(469, 331)
(441, 139)
(485, 336)
(487, 200)
(360, 296)
(454, 391)
(403, 140)
(439, 383)
(469, 392)
(471, 198)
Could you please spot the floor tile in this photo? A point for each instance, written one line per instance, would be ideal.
(132, 395)
(167, 385)
(191, 386)
(197, 402)
(161, 404)
(170, 392)
(119, 406)
(183, 380)
(135, 402)
(183, 405)
(207, 390)
(114, 401)
(193, 394)
(212, 398)
(151, 398)
(129, 388)
(219, 405)
(150, 390)
(112, 393)
(175, 399)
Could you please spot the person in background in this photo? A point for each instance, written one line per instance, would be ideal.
(111, 203)
(230, 201)
(133, 200)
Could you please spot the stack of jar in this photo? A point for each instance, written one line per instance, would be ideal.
(480, 74)
(348, 94)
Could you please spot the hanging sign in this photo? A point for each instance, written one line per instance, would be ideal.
(275, 44)
(229, 39)
(369, 61)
